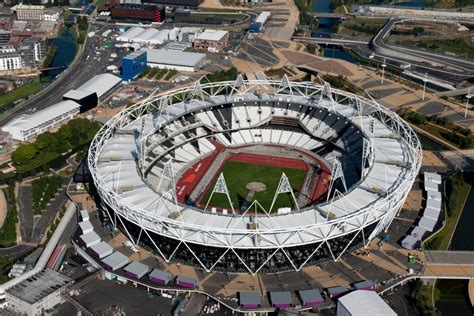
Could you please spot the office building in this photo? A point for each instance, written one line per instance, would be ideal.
(29, 12)
(10, 61)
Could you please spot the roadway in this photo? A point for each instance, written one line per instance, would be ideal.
(87, 65)
(444, 71)
(379, 45)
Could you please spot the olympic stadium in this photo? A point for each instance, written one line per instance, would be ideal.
(254, 175)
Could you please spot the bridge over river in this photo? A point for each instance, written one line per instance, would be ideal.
(448, 265)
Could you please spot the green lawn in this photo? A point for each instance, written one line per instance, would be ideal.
(22, 92)
(237, 175)
(461, 46)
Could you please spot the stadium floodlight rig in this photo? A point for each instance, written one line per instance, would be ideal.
(137, 157)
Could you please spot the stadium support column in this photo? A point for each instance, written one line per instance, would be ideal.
(221, 187)
(336, 173)
(326, 92)
(284, 186)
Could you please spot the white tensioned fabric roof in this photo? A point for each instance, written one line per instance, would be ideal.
(381, 192)
(38, 118)
(130, 34)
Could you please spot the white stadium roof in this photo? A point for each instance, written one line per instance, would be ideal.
(382, 177)
(375, 197)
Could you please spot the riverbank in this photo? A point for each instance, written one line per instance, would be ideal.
(451, 296)
(457, 191)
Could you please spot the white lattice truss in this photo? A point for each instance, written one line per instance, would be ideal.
(273, 231)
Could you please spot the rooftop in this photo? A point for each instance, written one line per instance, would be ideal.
(365, 303)
(212, 35)
(28, 6)
(100, 84)
(135, 54)
(116, 260)
(27, 122)
(39, 286)
(101, 248)
(174, 57)
(77, 94)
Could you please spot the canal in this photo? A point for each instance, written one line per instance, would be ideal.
(454, 298)
(66, 49)
(454, 293)
(325, 24)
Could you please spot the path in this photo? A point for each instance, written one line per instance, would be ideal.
(3, 208)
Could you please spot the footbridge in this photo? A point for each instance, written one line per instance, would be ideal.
(448, 265)
(454, 93)
(327, 15)
(329, 41)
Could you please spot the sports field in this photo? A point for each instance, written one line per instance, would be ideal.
(239, 174)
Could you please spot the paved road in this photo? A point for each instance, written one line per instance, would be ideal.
(15, 251)
(33, 227)
(86, 67)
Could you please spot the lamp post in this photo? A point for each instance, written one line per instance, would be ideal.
(424, 87)
(383, 70)
(468, 96)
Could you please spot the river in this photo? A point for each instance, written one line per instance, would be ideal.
(66, 49)
(325, 24)
(454, 299)
(454, 293)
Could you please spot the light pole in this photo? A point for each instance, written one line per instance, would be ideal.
(383, 70)
(468, 96)
(424, 87)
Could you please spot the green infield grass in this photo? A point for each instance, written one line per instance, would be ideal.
(238, 174)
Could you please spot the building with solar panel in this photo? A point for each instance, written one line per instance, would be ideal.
(39, 293)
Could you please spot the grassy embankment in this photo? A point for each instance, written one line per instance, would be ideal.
(461, 46)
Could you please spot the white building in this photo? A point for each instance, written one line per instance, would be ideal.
(101, 84)
(10, 61)
(175, 60)
(38, 293)
(130, 34)
(362, 303)
(148, 36)
(27, 127)
(212, 40)
(26, 12)
(7, 48)
(52, 14)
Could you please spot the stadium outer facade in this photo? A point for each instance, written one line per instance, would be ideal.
(136, 157)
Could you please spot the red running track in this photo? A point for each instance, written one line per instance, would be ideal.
(191, 177)
(271, 161)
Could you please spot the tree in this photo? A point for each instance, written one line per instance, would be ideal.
(43, 141)
(24, 154)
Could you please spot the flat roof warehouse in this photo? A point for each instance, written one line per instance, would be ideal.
(39, 286)
(173, 58)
